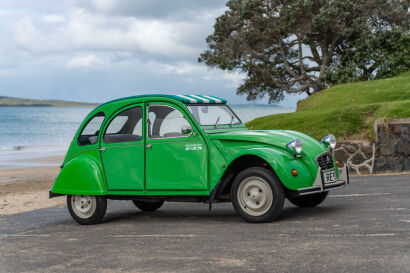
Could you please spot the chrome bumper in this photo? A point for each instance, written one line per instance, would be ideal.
(320, 186)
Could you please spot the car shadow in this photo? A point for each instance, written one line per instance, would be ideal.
(200, 213)
(164, 215)
(297, 213)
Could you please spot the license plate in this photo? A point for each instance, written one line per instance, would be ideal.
(329, 177)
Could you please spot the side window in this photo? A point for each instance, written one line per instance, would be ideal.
(165, 122)
(125, 127)
(89, 135)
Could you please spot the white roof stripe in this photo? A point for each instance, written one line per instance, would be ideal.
(213, 98)
(201, 98)
(188, 98)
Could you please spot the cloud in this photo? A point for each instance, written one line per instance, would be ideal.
(69, 49)
(54, 18)
(159, 9)
(229, 79)
(84, 61)
(83, 30)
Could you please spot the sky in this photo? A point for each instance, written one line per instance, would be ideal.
(98, 50)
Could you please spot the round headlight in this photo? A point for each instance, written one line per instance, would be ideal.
(295, 145)
(329, 141)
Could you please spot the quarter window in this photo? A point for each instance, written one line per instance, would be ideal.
(125, 127)
(165, 122)
(89, 135)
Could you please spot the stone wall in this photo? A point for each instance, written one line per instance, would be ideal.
(358, 155)
(389, 153)
(392, 146)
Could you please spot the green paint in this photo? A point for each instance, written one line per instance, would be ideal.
(177, 164)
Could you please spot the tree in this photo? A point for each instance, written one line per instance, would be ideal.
(294, 46)
(382, 54)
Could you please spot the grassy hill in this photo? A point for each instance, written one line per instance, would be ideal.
(348, 110)
(10, 101)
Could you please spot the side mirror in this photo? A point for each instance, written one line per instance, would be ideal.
(187, 130)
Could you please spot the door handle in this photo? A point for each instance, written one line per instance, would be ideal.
(149, 146)
(102, 149)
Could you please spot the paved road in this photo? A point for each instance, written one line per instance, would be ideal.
(364, 228)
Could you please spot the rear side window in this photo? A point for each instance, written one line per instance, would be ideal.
(89, 135)
(125, 127)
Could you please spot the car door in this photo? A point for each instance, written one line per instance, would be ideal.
(174, 160)
(122, 150)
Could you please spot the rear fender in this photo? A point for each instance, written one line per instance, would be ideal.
(82, 175)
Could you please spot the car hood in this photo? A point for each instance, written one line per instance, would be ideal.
(277, 138)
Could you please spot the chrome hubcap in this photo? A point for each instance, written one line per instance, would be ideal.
(83, 205)
(255, 196)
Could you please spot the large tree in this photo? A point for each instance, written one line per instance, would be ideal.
(295, 46)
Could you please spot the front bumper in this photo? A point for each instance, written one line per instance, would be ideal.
(320, 186)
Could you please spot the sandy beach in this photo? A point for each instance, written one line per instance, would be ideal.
(26, 189)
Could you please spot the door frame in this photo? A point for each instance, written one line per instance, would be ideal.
(198, 132)
(102, 146)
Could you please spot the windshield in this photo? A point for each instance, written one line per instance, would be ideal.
(213, 115)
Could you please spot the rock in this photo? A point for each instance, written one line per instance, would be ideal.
(405, 130)
(404, 146)
(395, 163)
(367, 149)
(357, 159)
(380, 164)
(341, 156)
(396, 129)
(381, 136)
(364, 169)
(407, 165)
(377, 152)
(387, 149)
(350, 148)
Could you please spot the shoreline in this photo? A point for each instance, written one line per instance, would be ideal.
(23, 189)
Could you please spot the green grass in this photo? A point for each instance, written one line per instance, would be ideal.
(347, 110)
(10, 101)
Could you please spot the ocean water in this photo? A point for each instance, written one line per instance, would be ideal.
(32, 132)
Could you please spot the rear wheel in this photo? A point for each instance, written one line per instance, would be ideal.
(148, 206)
(311, 200)
(257, 195)
(87, 209)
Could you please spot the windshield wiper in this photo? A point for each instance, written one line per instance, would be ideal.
(231, 121)
(217, 120)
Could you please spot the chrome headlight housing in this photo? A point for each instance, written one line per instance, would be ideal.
(329, 141)
(295, 146)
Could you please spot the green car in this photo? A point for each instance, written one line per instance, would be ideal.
(191, 148)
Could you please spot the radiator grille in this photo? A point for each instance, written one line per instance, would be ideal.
(325, 161)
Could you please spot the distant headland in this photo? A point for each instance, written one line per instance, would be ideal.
(11, 101)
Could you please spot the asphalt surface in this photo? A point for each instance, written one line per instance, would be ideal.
(363, 228)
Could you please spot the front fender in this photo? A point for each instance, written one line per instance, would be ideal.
(82, 175)
(282, 163)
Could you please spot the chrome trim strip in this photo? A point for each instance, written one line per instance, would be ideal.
(319, 186)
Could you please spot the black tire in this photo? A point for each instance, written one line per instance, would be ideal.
(271, 209)
(311, 200)
(94, 216)
(148, 206)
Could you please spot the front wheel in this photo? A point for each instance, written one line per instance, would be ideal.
(257, 195)
(87, 209)
(311, 200)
